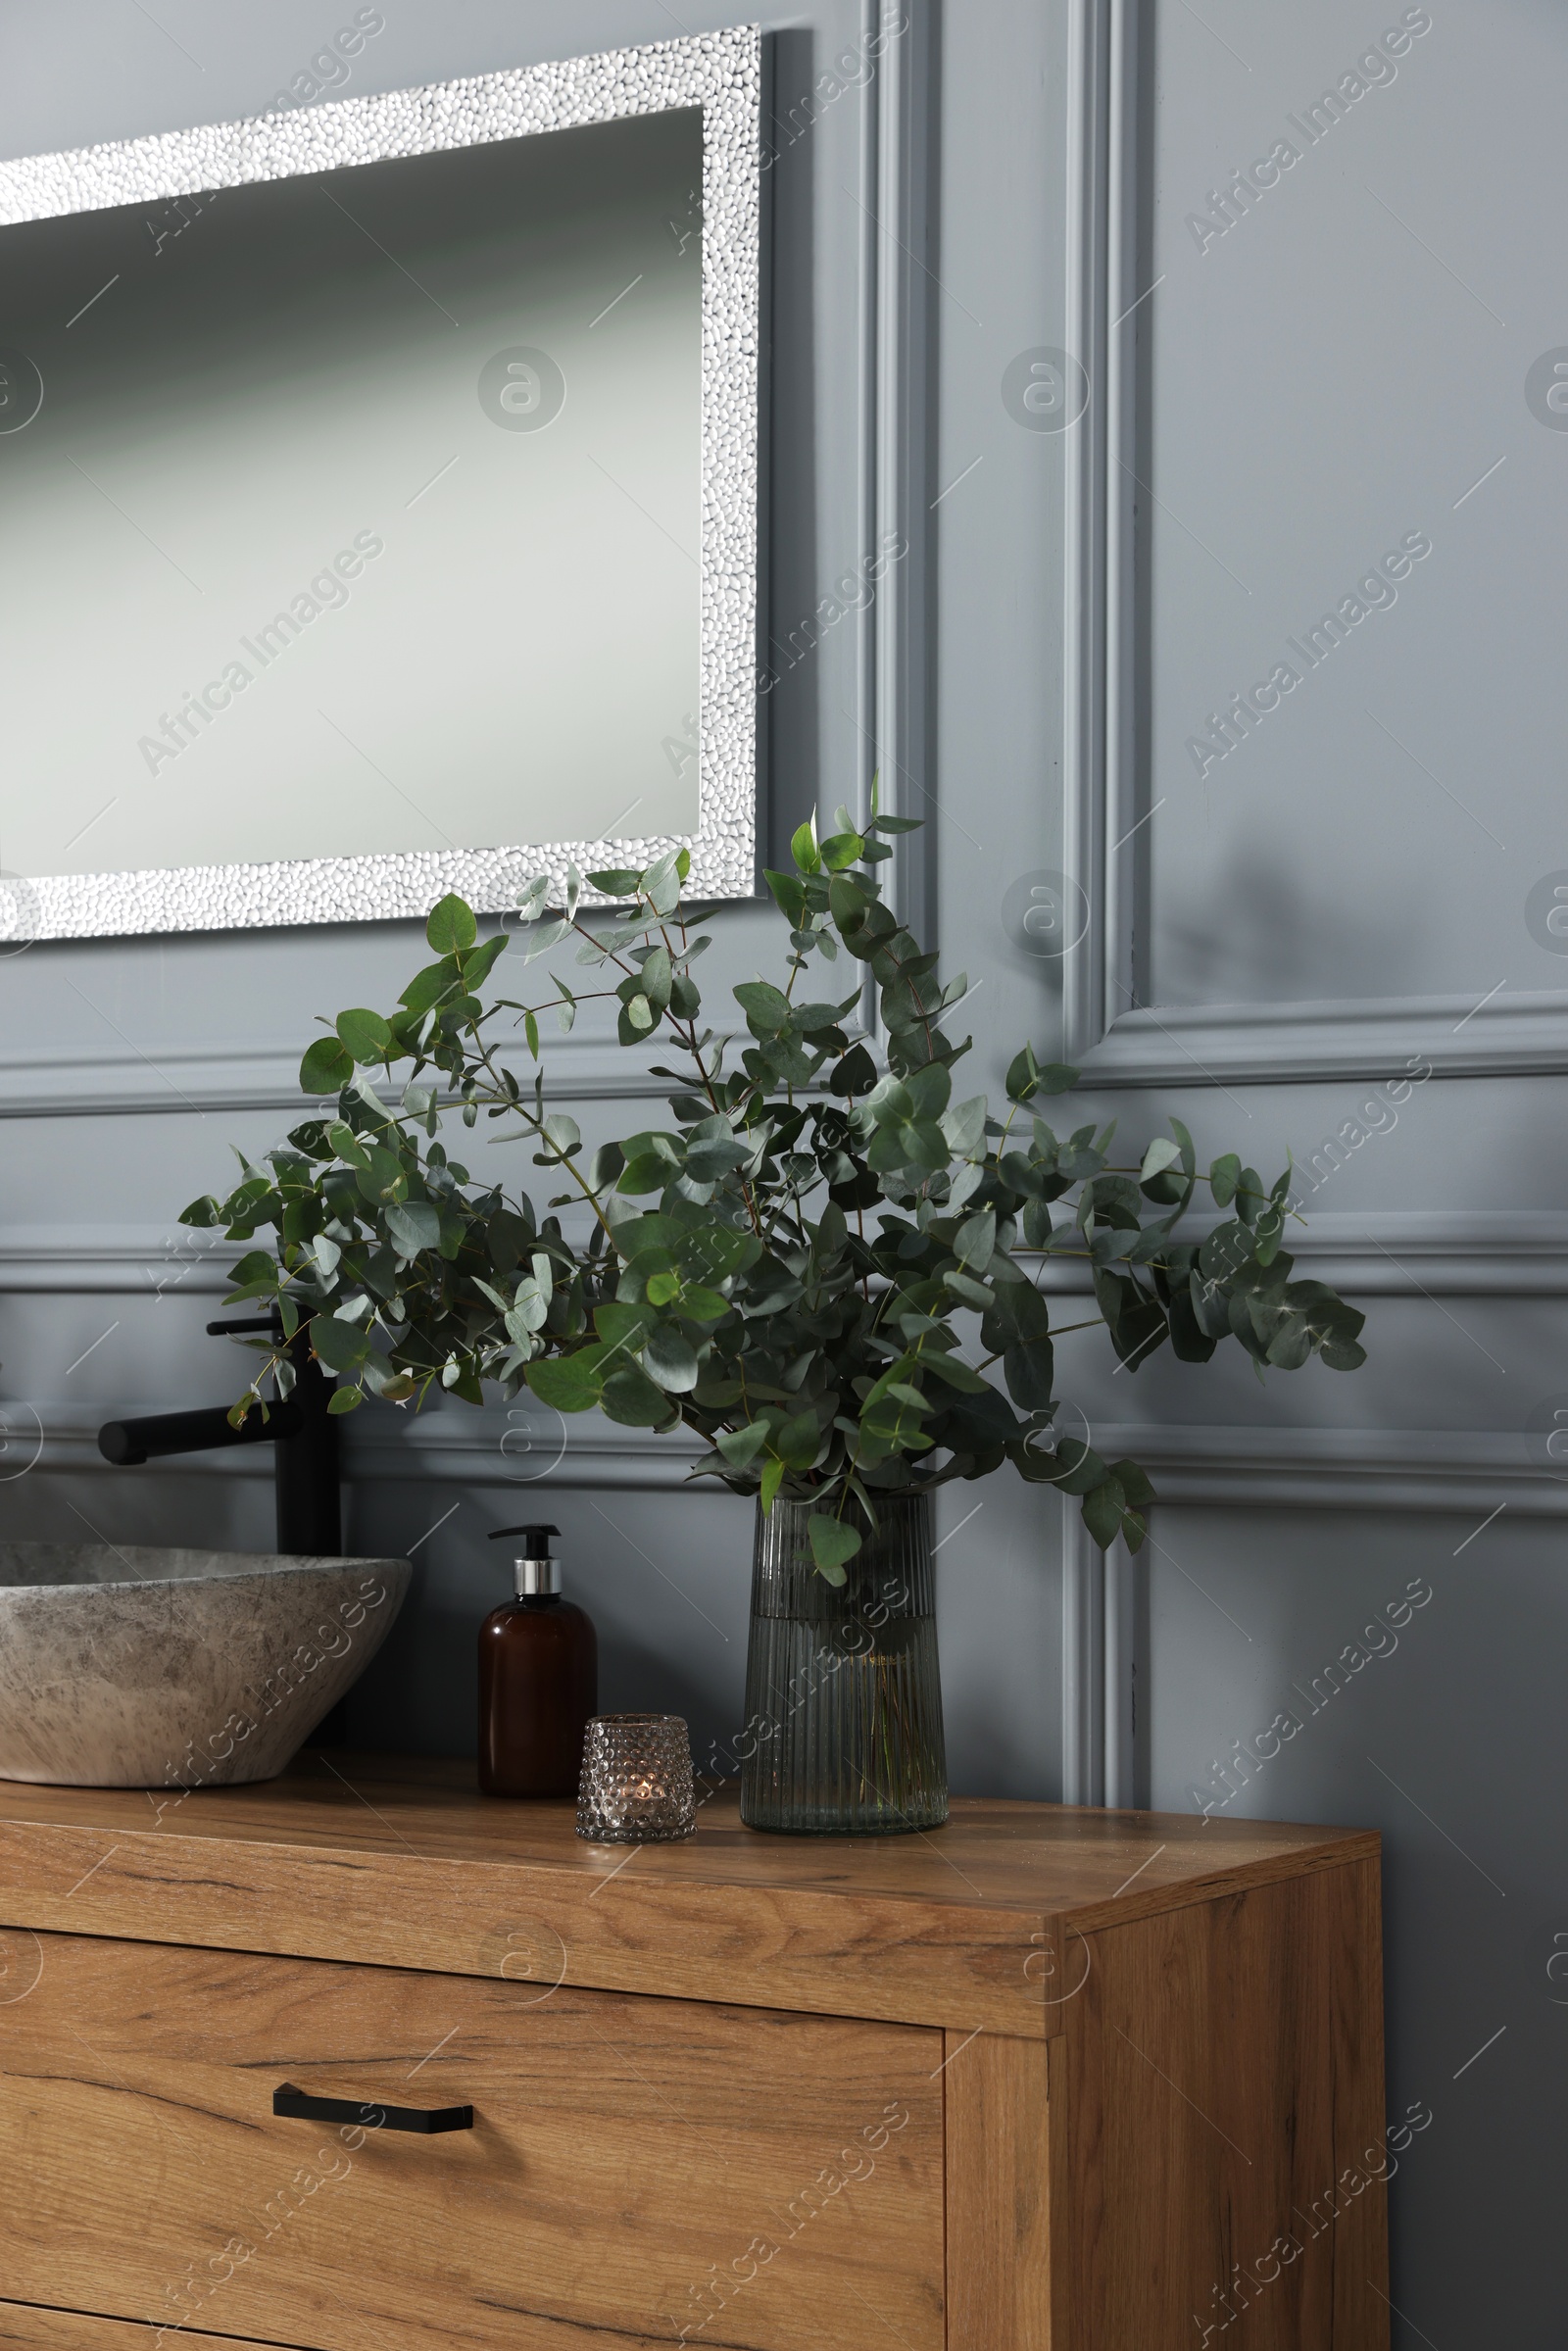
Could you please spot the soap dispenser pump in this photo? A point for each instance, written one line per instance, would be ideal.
(538, 1678)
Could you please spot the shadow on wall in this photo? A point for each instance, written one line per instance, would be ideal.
(1256, 938)
(671, 1617)
(420, 1696)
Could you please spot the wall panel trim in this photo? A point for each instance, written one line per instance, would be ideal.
(483, 1446)
(1516, 1035)
(261, 1074)
(1261, 1467)
(1458, 1470)
(1114, 1040)
(1431, 1254)
(1403, 1253)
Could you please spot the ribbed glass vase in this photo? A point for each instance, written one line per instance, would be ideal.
(843, 1693)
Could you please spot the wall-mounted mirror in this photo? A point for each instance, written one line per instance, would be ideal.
(378, 493)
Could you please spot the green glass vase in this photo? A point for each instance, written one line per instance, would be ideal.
(843, 1692)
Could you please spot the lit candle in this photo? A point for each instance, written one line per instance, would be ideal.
(636, 1786)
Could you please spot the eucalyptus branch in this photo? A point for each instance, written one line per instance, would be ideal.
(729, 1283)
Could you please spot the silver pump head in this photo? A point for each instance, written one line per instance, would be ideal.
(538, 1575)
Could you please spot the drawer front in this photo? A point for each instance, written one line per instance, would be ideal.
(664, 2170)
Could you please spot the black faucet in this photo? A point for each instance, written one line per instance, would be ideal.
(310, 1520)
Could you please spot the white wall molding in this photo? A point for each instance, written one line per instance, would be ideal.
(125, 1260)
(1503, 1252)
(1415, 1252)
(1094, 586)
(896, 658)
(1383, 1038)
(1261, 1467)
(1207, 1045)
(521, 1446)
(1115, 1040)
(264, 1074)
(1098, 1647)
(1458, 1470)
(1433, 1252)
(1117, 1044)
(448, 1445)
(1082, 1662)
(1473, 1476)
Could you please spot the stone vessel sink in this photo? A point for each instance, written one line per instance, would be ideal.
(137, 1667)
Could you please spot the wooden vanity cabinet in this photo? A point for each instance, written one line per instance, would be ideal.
(1045, 2080)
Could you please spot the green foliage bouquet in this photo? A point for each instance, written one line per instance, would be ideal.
(797, 1266)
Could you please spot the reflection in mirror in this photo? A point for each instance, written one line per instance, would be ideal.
(359, 511)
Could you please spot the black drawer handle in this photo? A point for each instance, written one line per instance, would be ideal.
(300, 2106)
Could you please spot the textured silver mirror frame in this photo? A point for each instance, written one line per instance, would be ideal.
(720, 71)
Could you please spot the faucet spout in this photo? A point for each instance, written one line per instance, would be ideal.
(303, 1431)
(128, 1443)
(300, 1424)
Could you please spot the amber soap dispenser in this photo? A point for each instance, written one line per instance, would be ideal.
(538, 1678)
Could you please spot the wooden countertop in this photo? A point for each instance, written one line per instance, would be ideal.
(398, 1861)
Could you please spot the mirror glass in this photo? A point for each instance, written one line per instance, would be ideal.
(357, 513)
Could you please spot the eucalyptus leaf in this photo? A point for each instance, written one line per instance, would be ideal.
(412, 1226)
(1162, 1153)
(366, 1034)
(327, 1065)
(833, 1545)
(569, 1383)
(670, 1360)
(452, 925)
(631, 1398)
(977, 1241)
(325, 1255)
(340, 1345)
(964, 1126)
(563, 1135)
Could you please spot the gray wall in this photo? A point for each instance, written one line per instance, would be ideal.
(1357, 893)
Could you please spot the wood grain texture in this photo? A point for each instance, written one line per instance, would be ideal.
(1225, 2127)
(401, 1863)
(638, 2167)
(26, 2327)
(1000, 2203)
(1065, 2216)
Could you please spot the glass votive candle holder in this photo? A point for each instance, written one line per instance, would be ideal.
(636, 1786)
